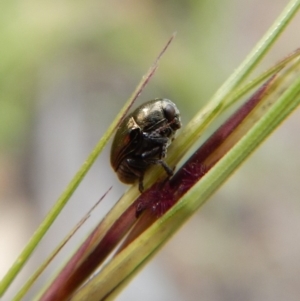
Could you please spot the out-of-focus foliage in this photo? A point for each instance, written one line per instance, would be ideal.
(66, 67)
(116, 40)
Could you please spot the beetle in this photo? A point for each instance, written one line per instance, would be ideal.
(142, 140)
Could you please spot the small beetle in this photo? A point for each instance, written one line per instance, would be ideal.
(142, 139)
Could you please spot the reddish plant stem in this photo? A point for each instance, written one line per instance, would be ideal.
(77, 270)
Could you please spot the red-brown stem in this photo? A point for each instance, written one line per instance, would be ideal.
(77, 270)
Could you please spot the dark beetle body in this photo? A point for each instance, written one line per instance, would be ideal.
(142, 140)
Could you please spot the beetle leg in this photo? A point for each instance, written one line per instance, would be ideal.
(137, 167)
(165, 166)
(164, 150)
(151, 153)
(160, 151)
(155, 138)
(141, 185)
(162, 132)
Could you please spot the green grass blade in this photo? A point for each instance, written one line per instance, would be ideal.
(240, 92)
(25, 288)
(196, 126)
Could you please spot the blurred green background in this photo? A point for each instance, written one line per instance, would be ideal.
(67, 67)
